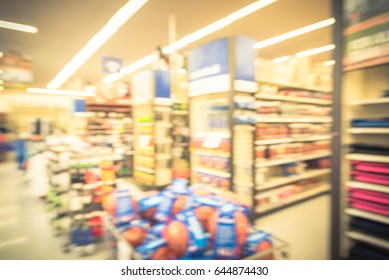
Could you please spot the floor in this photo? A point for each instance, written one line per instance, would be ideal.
(25, 229)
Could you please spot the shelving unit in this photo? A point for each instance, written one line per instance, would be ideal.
(365, 111)
(300, 141)
(109, 122)
(152, 107)
(221, 138)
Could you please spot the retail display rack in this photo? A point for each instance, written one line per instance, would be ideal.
(78, 182)
(221, 88)
(366, 186)
(152, 110)
(109, 122)
(292, 145)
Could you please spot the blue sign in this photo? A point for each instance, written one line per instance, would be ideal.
(162, 84)
(111, 64)
(209, 60)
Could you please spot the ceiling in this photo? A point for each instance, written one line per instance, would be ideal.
(66, 26)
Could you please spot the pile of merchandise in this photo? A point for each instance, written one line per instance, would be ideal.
(183, 222)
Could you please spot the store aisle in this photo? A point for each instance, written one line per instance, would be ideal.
(25, 231)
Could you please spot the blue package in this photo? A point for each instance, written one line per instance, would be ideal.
(198, 240)
(180, 186)
(149, 202)
(253, 240)
(164, 210)
(155, 232)
(125, 211)
(226, 240)
(147, 250)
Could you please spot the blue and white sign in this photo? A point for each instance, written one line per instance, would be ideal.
(209, 67)
(111, 64)
(245, 65)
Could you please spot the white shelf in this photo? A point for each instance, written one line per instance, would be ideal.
(273, 141)
(144, 169)
(293, 119)
(202, 153)
(290, 140)
(368, 186)
(368, 130)
(295, 86)
(219, 134)
(212, 172)
(294, 99)
(368, 239)
(292, 159)
(372, 101)
(145, 124)
(283, 181)
(180, 112)
(145, 158)
(295, 198)
(368, 157)
(367, 215)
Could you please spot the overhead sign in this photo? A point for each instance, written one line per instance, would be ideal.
(111, 64)
(211, 66)
(366, 38)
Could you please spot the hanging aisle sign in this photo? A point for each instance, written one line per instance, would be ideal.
(211, 66)
(366, 36)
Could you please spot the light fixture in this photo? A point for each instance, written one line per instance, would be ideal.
(1, 71)
(18, 26)
(181, 71)
(315, 51)
(1, 82)
(139, 64)
(219, 24)
(116, 21)
(175, 46)
(60, 92)
(329, 63)
(1, 54)
(293, 33)
(281, 59)
(90, 88)
(1, 88)
(112, 78)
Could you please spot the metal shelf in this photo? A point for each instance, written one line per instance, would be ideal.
(212, 172)
(368, 157)
(368, 186)
(368, 130)
(306, 100)
(372, 101)
(291, 140)
(367, 215)
(276, 182)
(355, 235)
(261, 210)
(292, 159)
(293, 119)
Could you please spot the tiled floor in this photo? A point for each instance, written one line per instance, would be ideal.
(25, 229)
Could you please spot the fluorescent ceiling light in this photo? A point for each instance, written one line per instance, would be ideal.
(97, 41)
(18, 26)
(315, 51)
(329, 63)
(281, 59)
(139, 64)
(90, 88)
(60, 92)
(112, 78)
(219, 24)
(294, 33)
